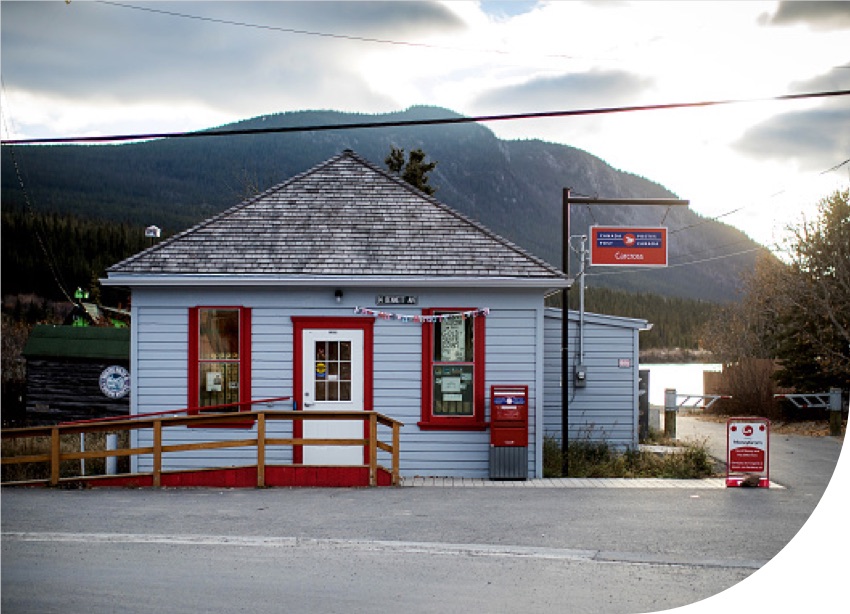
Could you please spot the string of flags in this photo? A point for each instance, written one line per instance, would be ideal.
(404, 317)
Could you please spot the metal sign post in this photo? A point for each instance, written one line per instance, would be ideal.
(568, 200)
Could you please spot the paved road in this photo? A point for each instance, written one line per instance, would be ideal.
(412, 549)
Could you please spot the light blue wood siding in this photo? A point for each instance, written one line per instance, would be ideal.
(514, 355)
(607, 408)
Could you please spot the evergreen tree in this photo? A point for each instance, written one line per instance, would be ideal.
(813, 322)
(43, 253)
(797, 310)
(415, 172)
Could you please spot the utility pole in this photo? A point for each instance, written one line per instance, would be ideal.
(565, 334)
(565, 266)
(582, 274)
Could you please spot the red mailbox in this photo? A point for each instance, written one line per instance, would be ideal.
(509, 416)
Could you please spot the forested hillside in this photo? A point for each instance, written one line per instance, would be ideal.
(676, 321)
(513, 187)
(42, 253)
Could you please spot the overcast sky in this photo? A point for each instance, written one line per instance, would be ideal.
(86, 68)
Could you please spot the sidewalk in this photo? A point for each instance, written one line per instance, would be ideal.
(688, 427)
(449, 482)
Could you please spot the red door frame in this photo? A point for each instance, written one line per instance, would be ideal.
(302, 323)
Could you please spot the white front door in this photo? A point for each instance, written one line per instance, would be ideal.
(332, 380)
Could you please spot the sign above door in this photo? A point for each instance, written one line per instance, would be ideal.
(396, 299)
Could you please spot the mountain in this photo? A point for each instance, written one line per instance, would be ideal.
(513, 187)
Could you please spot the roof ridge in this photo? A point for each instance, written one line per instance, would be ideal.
(457, 214)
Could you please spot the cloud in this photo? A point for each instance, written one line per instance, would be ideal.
(836, 79)
(813, 139)
(99, 52)
(817, 15)
(598, 88)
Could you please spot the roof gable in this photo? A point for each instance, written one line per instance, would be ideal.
(343, 218)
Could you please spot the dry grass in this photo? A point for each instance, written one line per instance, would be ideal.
(589, 459)
(809, 428)
(32, 446)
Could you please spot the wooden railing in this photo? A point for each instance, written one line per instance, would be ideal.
(158, 423)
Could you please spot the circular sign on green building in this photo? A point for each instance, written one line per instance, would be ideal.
(115, 382)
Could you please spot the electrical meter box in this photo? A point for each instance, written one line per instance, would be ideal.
(509, 432)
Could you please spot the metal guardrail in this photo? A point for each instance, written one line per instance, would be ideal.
(692, 401)
(819, 400)
(816, 400)
(672, 405)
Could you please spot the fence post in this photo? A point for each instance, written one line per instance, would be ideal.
(670, 413)
(373, 449)
(835, 412)
(54, 456)
(396, 452)
(261, 450)
(111, 446)
(82, 449)
(157, 452)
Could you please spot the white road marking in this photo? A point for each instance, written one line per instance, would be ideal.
(429, 548)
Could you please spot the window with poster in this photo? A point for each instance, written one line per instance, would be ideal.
(452, 370)
(219, 359)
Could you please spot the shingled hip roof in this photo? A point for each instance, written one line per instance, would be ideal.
(344, 219)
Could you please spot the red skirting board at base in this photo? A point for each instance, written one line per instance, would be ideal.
(239, 477)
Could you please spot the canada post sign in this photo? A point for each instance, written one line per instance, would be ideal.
(621, 246)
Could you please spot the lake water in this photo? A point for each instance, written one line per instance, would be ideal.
(685, 378)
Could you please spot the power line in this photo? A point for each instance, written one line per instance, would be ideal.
(420, 122)
(837, 166)
(45, 249)
(679, 264)
(746, 241)
(705, 221)
(362, 39)
(742, 207)
(349, 37)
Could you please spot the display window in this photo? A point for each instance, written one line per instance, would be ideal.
(453, 370)
(219, 359)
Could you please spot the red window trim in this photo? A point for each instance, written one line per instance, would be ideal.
(302, 323)
(429, 421)
(244, 365)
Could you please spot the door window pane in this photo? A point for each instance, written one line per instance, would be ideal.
(333, 370)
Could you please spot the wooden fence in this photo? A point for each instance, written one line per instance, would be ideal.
(159, 423)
